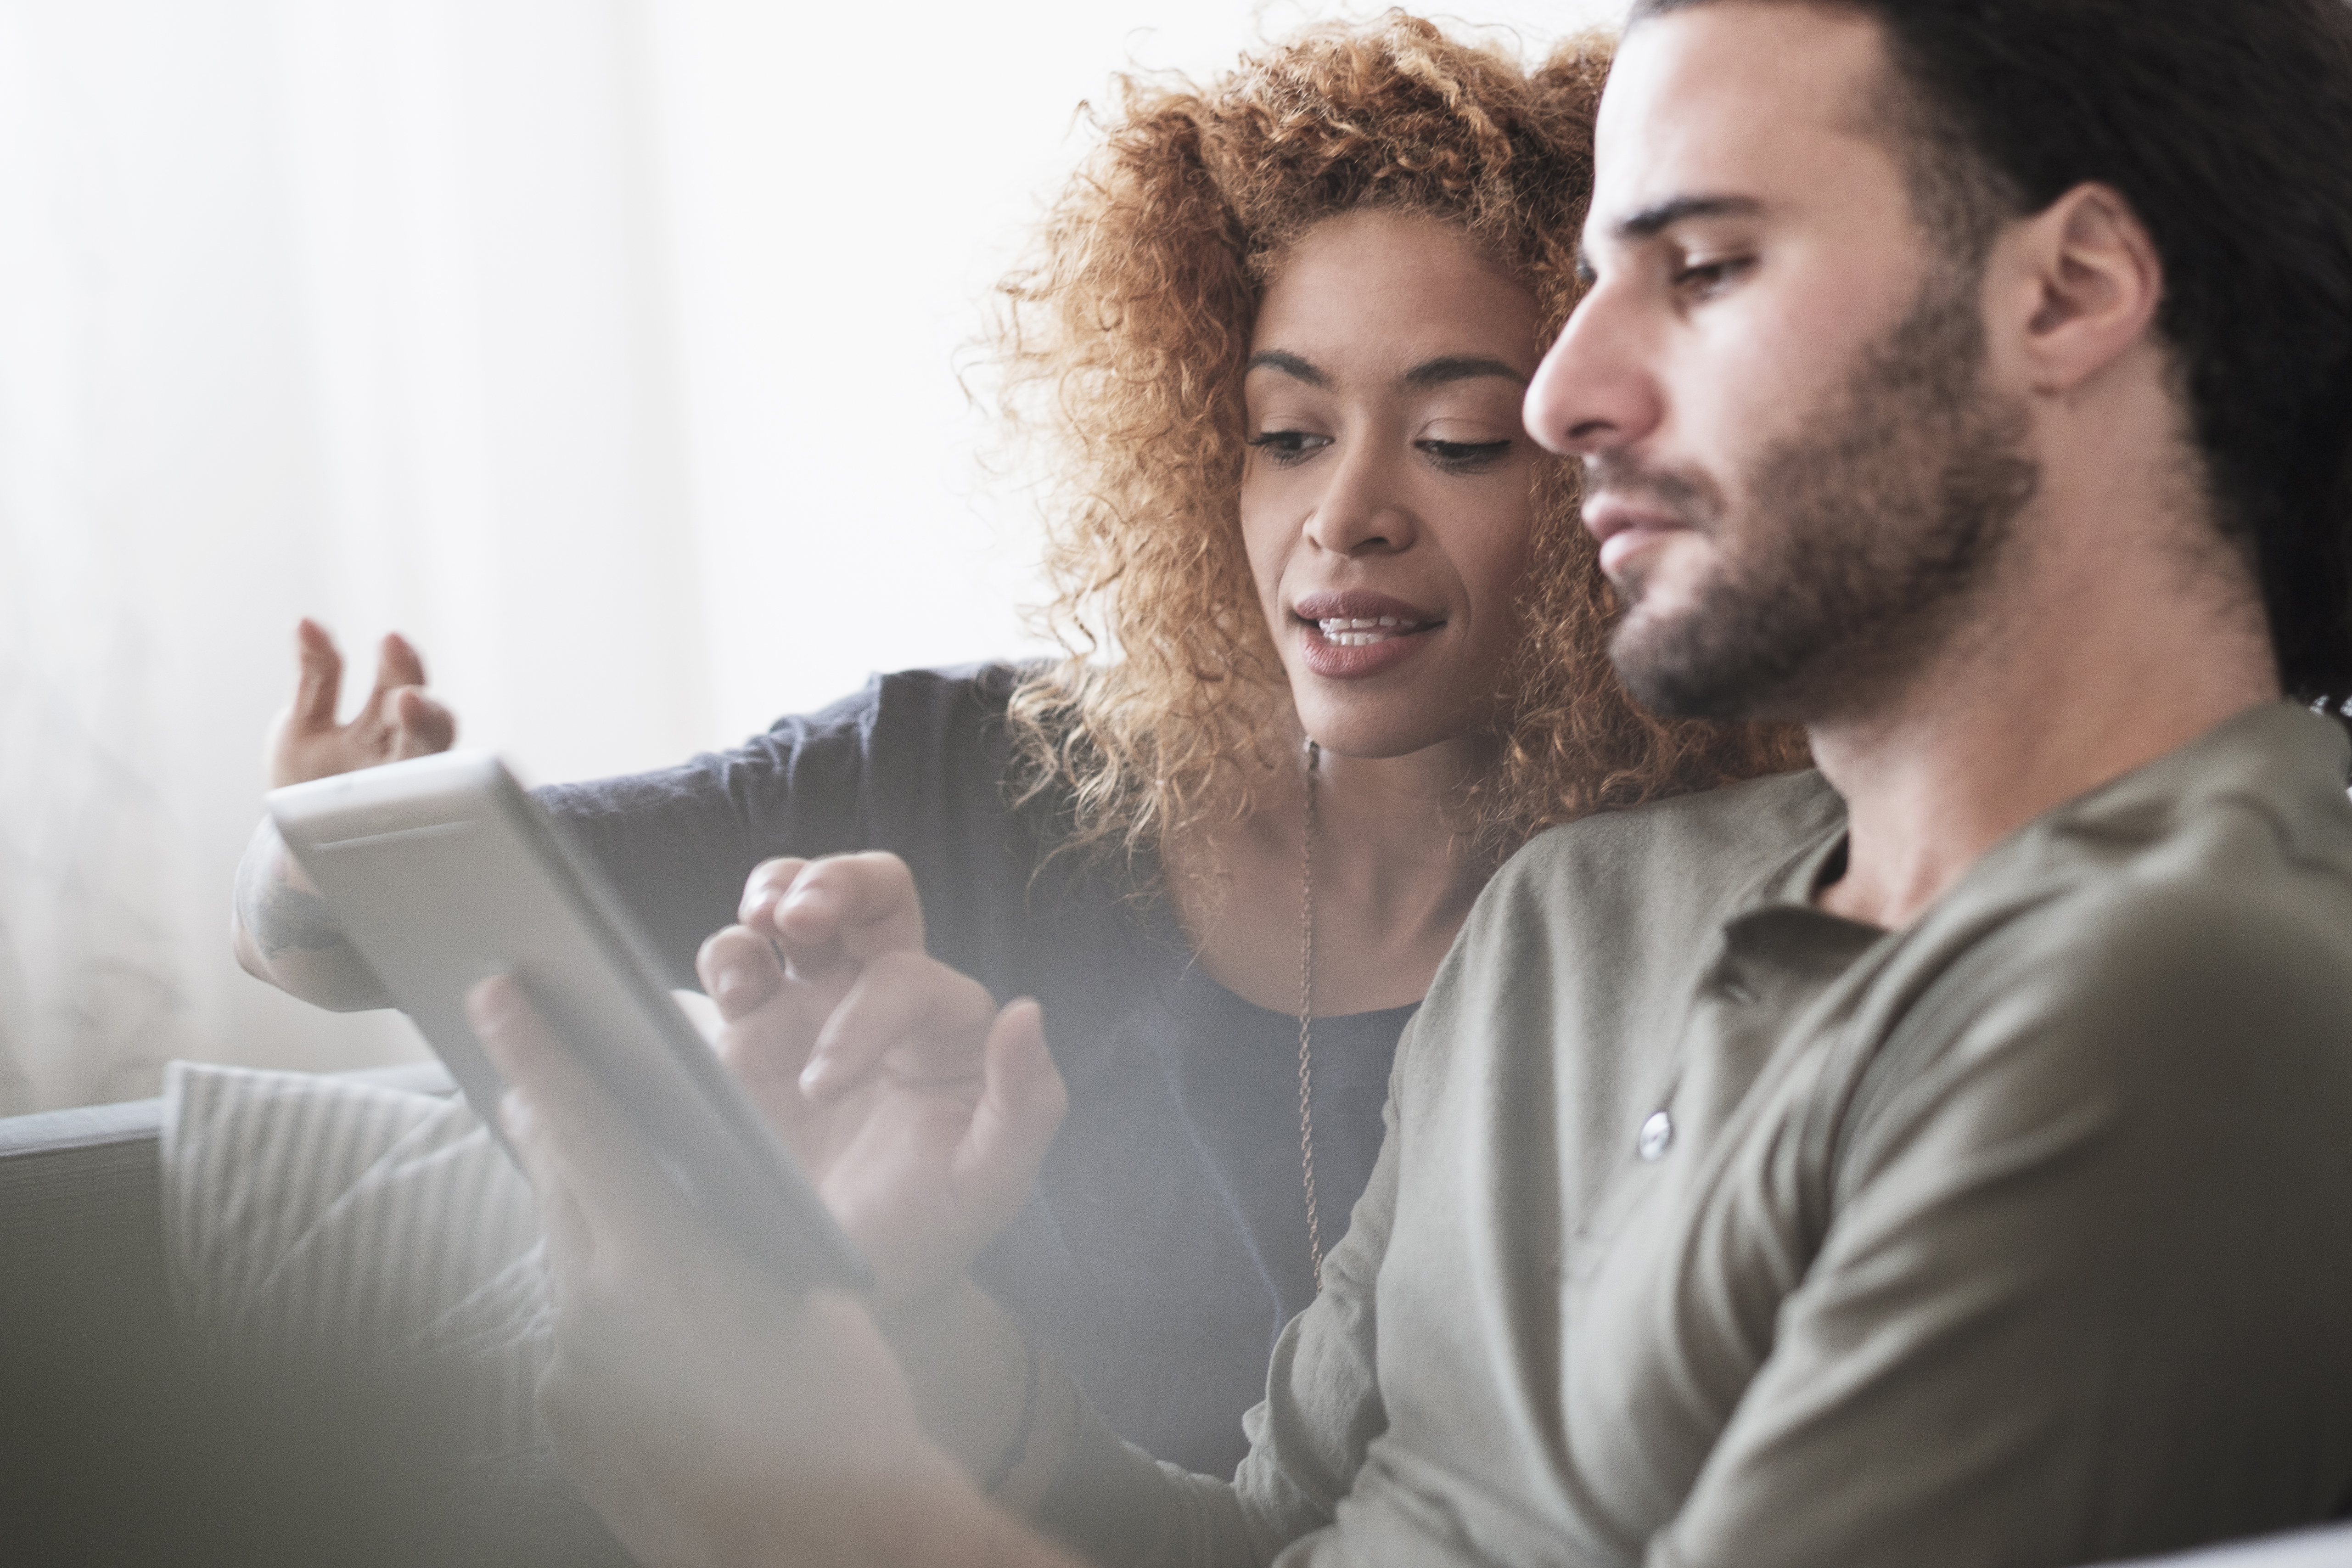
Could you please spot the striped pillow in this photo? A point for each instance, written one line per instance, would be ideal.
(376, 1227)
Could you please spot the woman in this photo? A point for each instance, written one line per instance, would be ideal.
(1278, 333)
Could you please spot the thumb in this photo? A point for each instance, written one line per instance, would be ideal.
(1020, 1105)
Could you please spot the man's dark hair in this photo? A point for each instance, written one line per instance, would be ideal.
(2227, 125)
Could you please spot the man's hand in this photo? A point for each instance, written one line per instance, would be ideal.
(399, 719)
(710, 1415)
(920, 1109)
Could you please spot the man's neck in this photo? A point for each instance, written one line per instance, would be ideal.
(2089, 667)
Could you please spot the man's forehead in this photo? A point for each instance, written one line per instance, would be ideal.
(1753, 99)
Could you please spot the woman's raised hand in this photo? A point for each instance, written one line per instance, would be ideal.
(920, 1109)
(399, 719)
(279, 928)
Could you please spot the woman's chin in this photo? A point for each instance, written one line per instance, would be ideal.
(1375, 727)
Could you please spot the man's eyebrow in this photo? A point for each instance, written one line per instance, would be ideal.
(1290, 365)
(1457, 367)
(1653, 220)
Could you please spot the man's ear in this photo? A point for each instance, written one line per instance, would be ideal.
(2093, 282)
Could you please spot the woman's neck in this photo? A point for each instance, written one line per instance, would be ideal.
(1393, 876)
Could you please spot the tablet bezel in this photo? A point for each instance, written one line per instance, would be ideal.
(700, 1127)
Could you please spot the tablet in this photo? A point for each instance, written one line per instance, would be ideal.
(442, 870)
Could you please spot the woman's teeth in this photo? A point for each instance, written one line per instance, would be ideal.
(1340, 632)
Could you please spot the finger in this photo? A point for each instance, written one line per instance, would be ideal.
(571, 1242)
(590, 1147)
(397, 663)
(1021, 1103)
(421, 726)
(770, 881)
(739, 970)
(902, 1001)
(319, 681)
(858, 906)
(767, 1026)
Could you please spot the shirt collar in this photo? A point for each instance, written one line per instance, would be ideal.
(2281, 757)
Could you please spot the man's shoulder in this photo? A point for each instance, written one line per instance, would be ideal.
(2230, 928)
(1704, 845)
(2232, 910)
(1626, 898)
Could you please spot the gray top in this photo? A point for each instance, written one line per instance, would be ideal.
(1711, 1229)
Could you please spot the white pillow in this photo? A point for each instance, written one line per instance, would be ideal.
(380, 1229)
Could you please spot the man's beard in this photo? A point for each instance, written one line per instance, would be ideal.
(1862, 542)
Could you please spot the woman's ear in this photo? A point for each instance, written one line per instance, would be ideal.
(2092, 280)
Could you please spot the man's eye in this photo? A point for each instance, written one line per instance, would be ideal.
(1463, 455)
(1288, 446)
(1704, 277)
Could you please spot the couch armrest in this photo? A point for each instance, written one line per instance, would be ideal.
(80, 1224)
(80, 1216)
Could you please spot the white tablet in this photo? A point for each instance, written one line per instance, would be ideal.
(442, 871)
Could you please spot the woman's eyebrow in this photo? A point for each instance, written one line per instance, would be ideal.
(1457, 367)
(1290, 365)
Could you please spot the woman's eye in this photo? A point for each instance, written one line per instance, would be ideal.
(1288, 446)
(1462, 457)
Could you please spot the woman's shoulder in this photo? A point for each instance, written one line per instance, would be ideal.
(818, 775)
(945, 697)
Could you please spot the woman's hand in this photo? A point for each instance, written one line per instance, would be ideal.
(399, 719)
(920, 1109)
(279, 928)
(707, 1413)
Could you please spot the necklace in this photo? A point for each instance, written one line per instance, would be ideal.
(1306, 1020)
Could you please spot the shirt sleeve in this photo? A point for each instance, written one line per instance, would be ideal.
(902, 765)
(2086, 1263)
(1120, 1508)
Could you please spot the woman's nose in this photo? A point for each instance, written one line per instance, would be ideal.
(1594, 391)
(1364, 507)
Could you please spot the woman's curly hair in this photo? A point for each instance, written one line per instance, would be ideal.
(1123, 342)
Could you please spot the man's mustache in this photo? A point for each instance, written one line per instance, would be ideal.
(1690, 497)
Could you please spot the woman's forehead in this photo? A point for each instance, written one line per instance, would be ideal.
(1369, 288)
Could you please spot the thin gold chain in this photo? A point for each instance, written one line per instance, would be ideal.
(1306, 1021)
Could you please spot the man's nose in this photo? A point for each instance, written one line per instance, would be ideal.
(1595, 391)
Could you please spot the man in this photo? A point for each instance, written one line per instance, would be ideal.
(1941, 1163)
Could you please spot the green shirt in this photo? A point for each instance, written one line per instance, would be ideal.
(1711, 1229)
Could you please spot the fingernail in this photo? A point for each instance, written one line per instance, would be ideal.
(485, 1001)
(730, 983)
(1036, 1043)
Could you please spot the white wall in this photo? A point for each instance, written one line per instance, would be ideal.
(605, 346)
(846, 188)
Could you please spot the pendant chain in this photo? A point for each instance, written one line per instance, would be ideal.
(1306, 1021)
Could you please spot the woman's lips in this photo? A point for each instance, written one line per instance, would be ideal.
(1348, 635)
(1341, 631)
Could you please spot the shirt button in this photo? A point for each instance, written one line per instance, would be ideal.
(1656, 1134)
